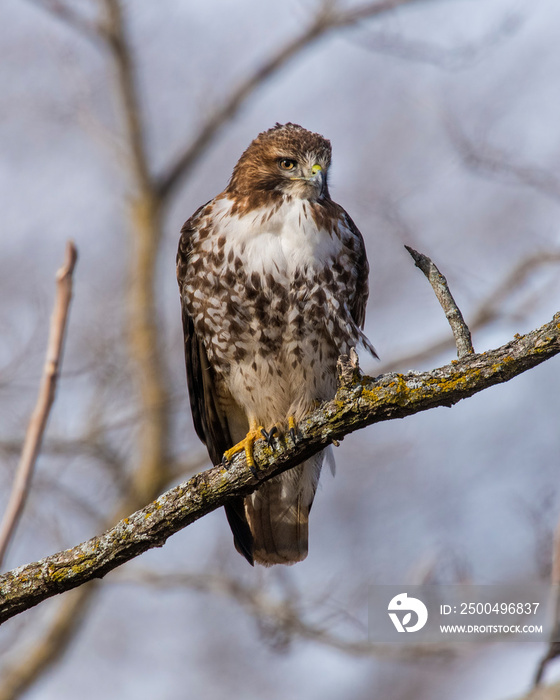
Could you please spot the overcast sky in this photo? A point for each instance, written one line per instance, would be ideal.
(460, 487)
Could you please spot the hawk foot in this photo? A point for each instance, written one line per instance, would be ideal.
(292, 428)
(269, 437)
(246, 445)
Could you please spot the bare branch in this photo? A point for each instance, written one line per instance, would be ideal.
(495, 163)
(52, 644)
(553, 650)
(453, 314)
(151, 473)
(326, 21)
(451, 59)
(282, 617)
(127, 93)
(71, 18)
(488, 310)
(363, 402)
(45, 400)
(143, 336)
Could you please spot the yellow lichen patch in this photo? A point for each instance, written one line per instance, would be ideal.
(65, 572)
(498, 366)
(396, 391)
(459, 381)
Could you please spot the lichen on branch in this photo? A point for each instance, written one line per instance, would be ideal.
(359, 402)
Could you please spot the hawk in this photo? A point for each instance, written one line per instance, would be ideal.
(273, 277)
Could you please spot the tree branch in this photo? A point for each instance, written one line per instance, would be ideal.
(280, 618)
(127, 95)
(144, 344)
(553, 650)
(72, 19)
(51, 645)
(364, 401)
(487, 311)
(45, 400)
(326, 21)
(494, 163)
(441, 289)
(143, 336)
(456, 58)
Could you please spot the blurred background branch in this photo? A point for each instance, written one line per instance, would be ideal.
(327, 19)
(496, 163)
(280, 620)
(146, 201)
(120, 433)
(45, 400)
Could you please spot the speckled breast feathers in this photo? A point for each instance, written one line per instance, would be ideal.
(273, 280)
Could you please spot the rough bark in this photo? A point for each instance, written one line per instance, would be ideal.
(359, 402)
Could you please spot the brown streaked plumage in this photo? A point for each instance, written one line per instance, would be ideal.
(273, 281)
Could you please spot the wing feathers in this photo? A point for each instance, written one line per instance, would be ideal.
(209, 420)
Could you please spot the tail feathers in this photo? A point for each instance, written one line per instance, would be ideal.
(278, 514)
(280, 535)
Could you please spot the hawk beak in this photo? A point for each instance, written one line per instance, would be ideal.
(315, 175)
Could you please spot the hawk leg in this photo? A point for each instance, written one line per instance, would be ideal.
(256, 432)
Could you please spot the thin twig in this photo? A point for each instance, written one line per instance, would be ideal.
(553, 650)
(488, 310)
(325, 21)
(458, 58)
(364, 402)
(126, 88)
(50, 646)
(282, 616)
(47, 391)
(493, 162)
(151, 472)
(71, 18)
(453, 314)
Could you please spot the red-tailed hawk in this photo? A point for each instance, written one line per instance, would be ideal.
(273, 278)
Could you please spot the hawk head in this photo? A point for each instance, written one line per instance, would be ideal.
(285, 160)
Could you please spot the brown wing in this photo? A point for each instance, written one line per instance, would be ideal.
(210, 422)
(359, 303)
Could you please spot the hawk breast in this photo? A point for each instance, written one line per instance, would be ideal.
(269, 305)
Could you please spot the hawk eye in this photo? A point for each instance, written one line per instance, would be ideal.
(287, 164)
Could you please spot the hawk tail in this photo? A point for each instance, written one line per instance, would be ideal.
(278, 514)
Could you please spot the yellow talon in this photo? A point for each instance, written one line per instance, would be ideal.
(245, 444)
(292, 427)
(255, 432)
